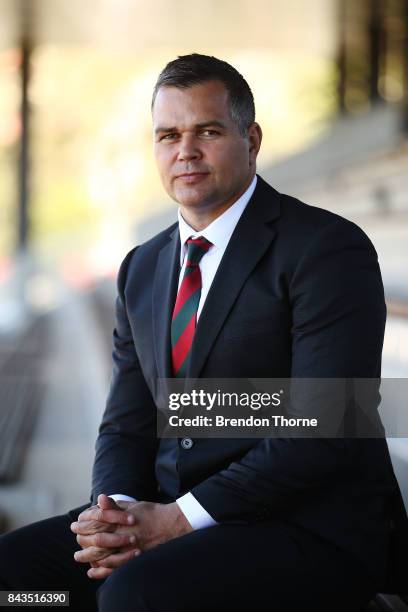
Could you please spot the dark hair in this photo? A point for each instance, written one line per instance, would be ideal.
(193, 69)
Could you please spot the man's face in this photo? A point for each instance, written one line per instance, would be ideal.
(203, 160)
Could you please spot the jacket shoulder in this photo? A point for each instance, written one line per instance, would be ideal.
(296, 212)
(312, 222)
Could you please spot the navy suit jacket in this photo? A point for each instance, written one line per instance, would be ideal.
(298, 293)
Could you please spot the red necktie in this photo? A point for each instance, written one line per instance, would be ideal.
(184, 318)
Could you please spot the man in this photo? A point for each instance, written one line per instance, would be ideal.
(249, 283)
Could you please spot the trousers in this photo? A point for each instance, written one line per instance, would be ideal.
(269, 565)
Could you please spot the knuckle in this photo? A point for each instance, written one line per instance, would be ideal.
(99, 514)
(85, 513)
(103, 540)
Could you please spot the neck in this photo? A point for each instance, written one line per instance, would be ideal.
(200, 218)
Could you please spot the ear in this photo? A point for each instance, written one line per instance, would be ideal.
(254, 142)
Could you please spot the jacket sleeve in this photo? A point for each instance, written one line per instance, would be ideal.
(338, 314)
(127, 443)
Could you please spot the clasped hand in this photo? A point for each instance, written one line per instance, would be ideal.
(112, 533)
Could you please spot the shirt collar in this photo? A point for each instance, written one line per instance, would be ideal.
(220, 230)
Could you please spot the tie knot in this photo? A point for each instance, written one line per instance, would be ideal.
(196, 248)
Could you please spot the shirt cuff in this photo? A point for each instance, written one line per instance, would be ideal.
(120, 497)
(194, 512)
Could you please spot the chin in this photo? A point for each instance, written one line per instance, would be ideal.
(191, 199)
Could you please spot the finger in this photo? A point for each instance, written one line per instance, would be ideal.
(106, 540)
(99, 573)
(92, 512)
(92, 553)
(87, 510)
(118, 559)
(91, 527)
(105, 502)
(107, 516)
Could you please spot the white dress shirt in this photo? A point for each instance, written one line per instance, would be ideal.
(218, 233)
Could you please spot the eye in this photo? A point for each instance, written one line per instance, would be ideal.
(170, 136)
(209, 133)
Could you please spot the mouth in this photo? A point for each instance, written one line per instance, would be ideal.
(192, 177)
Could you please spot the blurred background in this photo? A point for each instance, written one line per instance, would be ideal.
(78, 186)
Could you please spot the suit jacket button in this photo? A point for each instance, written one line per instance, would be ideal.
(187, 443)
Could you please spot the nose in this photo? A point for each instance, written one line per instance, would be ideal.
(189, 148)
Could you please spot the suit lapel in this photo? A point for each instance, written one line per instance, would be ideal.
(163, 296)
(250, 240)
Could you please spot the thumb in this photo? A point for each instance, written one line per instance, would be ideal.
(107, 503)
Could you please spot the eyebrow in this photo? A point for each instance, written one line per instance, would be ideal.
(205, 124)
